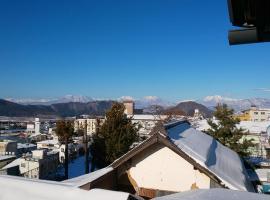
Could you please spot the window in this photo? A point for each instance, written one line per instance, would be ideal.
(256, 113)
(22, 164)
(62, 150)
(262, 113)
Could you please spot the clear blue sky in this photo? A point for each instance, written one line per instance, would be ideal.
(174, 49)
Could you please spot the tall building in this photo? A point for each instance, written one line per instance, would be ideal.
(37, 125)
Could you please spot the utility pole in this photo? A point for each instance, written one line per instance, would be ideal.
(86, 149)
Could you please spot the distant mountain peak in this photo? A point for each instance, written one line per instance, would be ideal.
(218, 99)
(236, 104)
(75, 99)
(50, 101)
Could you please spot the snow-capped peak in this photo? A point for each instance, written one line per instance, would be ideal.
(218, 99)
(74, 98)
(236, 104)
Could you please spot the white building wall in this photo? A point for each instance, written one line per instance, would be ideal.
(165, 170)
(37, 126)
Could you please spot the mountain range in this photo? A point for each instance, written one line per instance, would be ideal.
(236, 104)
(11, 109)
(147, 101)
(71, 105)
(50, 101)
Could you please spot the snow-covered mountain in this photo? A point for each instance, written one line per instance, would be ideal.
(152, 100)
(236, 104)
(73, 98)
(50, 101)
(148, 101)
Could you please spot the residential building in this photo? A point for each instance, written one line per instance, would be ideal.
(33, 128)
(91, 124)
(55, 145)
(8, 147)
(5, 160)
(255, 114)
(261, 175)
(175, 158)
(48, 144)
(23, 148)
(30, 128)
(41, 164)
(146, 123)
(244, 115)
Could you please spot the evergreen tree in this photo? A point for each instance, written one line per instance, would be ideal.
(65, 132)
(226, 132)
(113, 138)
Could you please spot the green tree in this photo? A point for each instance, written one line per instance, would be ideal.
(65, 131)
(225, 130)
(113, 138)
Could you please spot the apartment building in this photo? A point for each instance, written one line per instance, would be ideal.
(255, 114)
(40, 164)
(91, 124)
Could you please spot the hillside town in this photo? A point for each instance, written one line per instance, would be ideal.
(151, 168)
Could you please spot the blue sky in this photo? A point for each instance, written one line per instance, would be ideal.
(174, 49)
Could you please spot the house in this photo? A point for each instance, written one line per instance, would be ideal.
(6, 159)
(214, 194)
(41, 164)
(8, 147)
(23, 148)
(255, 114)
(14, 188)
(175, 158)
(145, 123)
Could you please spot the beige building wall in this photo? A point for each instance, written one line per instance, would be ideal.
(259, 115)
(162, 169)
(129, 107)
(91, 125)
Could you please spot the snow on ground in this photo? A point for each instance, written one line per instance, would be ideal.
(215, 194)
(76, 167)
(14, 188)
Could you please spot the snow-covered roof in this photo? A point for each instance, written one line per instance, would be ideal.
(49, 142)
(14, 188)
(214, 194)
(254, 127)
(6, 157)
(148, 117)
(87, 178)
(209, 153)
(14, 163)
(25, 145)
(262, 174)
(251, 126)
